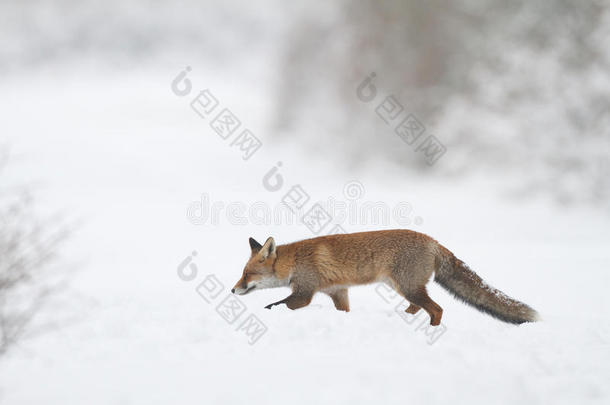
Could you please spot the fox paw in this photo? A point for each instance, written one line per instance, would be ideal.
(412, 309)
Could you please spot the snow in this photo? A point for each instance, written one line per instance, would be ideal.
(126, 156)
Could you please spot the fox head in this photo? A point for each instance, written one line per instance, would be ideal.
(259, 272)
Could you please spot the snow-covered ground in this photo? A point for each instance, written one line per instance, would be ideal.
(126, 156)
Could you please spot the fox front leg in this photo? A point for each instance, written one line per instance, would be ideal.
(340, 299)
(294, 301)
(276, 303)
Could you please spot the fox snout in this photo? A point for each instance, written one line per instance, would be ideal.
(257, 282)
(242, 291)
(242, 287)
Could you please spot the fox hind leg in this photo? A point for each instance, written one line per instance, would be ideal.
(340, 299)
(410, 282)
(413, 309)
(421, 299)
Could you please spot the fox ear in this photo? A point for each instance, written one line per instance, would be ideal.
(268, 248)
(254, 245)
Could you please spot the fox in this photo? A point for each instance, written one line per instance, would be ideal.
(404, 259)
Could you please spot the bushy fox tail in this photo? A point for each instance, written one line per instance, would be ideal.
(457, 278)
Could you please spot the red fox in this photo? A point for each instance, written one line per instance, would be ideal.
(405, 260)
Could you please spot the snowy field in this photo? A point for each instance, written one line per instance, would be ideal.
(127, 157)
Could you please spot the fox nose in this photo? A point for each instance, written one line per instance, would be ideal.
(233, 290)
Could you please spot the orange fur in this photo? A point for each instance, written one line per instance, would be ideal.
(406, 260)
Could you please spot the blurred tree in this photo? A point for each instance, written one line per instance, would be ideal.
(28, 272)
(519, 87)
